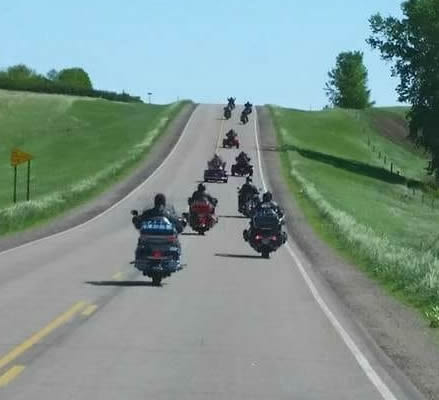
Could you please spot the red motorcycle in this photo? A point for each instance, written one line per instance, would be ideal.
(201, 216)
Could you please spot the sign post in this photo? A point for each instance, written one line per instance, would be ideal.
(19, 157)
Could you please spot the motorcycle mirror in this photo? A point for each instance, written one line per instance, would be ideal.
(134, 213)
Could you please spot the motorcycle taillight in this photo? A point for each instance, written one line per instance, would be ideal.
(156, 254)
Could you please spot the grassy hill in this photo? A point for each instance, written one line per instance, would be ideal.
(80, 146)
(338, 163)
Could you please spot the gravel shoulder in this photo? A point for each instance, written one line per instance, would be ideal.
(398, 330)
(111, 196)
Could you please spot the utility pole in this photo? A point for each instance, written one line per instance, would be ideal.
(149, 97)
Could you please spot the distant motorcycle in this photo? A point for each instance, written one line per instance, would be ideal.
(158, 250)
(231, 102)
(244, 117)
(227, 113)
(230, 142)
(265, 233)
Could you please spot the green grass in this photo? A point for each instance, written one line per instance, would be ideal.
(80, 146)
(356, 204)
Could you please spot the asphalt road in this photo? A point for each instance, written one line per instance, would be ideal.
(78, 322)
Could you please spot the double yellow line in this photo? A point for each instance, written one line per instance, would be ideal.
(17, 351)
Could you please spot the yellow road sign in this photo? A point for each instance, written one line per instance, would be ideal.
(19, 157)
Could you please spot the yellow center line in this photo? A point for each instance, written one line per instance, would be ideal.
(117, 276)
(10, 375)
(89, 310)
(27, 344)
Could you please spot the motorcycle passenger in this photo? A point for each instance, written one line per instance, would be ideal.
(246, 191)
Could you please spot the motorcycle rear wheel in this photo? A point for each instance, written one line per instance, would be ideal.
(156, 279)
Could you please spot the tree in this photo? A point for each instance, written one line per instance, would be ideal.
(20, 72)
(52, 75)
(75, 77)
(347, 85)
(412, 44)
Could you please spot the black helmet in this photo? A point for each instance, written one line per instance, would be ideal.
(248, 180)
(159, 200)
(267, 196)
(201, 188)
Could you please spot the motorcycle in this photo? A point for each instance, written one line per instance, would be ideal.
(248, 206)
(158, 249)
(265, 234)
(231, 103)
(244, 117)
(201, 216)
(241, 169)
(231, 142)
(227, 113)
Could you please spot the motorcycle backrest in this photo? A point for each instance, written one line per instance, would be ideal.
(158, 226)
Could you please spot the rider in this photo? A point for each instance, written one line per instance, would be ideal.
(216, 162)
(243, 158)
(268, 202)
(247, 190)
(159, 210)
(231, 134)
(200, 194)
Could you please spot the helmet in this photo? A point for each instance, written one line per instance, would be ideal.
(201, 187)
(267, 196)
(248, 180)
(159, 200)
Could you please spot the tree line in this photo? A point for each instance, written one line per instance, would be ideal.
(411, 44)
(70, 81)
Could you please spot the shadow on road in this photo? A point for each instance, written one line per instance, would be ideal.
(227, 255)
(232, 216)
(190, 234)
(120, 283)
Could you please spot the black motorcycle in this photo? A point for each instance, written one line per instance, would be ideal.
(231, 102)
(265, 233)
(227, 113)
(158, 252)
(247, 205)
(244, 117)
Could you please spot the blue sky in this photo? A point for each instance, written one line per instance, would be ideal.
(267, 51)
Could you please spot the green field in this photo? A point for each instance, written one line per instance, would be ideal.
(338, 165)
(80, 147)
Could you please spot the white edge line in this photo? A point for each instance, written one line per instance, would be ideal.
(129, 195)
(362, 360)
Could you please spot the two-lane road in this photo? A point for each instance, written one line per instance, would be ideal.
(77, 322)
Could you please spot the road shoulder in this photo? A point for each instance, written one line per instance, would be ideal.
(396, 329)
(115, 193)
